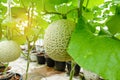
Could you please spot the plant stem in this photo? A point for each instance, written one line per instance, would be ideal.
(80, 5)
(28, 62)
(87, 4)
(6, 67)
(9, 9)
(8, 30)
(46, 12)
(64, 16)
(72, 70)
(28, 45)
(117, 11)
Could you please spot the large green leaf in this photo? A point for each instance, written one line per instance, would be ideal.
(92, 3)
(20, 39)
(100, 54)
(88, 14)
(19, 12)
(75, 3)
(114, 24)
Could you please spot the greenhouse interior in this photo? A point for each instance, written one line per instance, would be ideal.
(59, 40)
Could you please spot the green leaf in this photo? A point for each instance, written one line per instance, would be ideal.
(72, 15)
(100, 54)
(50, 4)
(2, 0)
(63, 8)
(114, 24)
(9, 23)
(0, 32)
(3, 10)
(20, 39)
(92, 3)
(32, 33)
(42, 23)
(57, 2)
(88, 14)
(75, 3)
(116, 1)
(18, 12)
(117, 12)
(117, 35)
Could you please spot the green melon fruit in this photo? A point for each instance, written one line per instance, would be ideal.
(56, 39)
(9, 51)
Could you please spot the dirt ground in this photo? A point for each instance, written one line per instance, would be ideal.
(37, 71)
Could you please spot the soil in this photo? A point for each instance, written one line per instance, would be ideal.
(10, 76)
(2, 68)
(49, 73)
(15, 77)
(43, 72)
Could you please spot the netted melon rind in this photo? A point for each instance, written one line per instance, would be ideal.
(56, 39)
(9, 51)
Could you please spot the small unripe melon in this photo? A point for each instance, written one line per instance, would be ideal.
(9, 51)
(56, 39)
